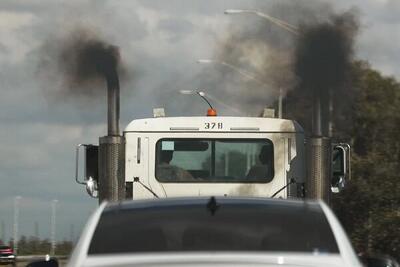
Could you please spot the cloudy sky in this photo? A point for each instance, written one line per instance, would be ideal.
(159, 41)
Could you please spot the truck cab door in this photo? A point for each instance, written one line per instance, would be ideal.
(137, 167)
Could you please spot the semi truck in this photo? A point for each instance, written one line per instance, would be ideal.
(208, 155)
(212, 156)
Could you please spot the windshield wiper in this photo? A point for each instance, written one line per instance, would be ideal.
(136, 179)
(292, 181)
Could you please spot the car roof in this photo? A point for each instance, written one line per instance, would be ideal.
(283, 204)
(237, 259)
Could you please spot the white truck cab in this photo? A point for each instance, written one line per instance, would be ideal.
(211, 156)
(219, 156)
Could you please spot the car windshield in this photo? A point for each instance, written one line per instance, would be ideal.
(215, 160)
(214, 227)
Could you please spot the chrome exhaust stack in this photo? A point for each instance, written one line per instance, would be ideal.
(112, 147)
(319, 158)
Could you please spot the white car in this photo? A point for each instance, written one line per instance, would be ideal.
(214, 232)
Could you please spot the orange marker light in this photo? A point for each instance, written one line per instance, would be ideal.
(211, 112)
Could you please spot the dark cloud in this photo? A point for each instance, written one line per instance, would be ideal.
(388, 12)
(176, 28)
(189, 8)
(3, 49)
(33, 6)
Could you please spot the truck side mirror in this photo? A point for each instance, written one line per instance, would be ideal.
(92, 162)
(340, 166)
(91, 168)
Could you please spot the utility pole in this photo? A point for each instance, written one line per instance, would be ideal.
(53, 226)
(280, 100)
(36, 230)
(15, 230)
(330, 114)
(3, 231)
(72, 233)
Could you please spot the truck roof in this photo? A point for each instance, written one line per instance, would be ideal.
(213, 124)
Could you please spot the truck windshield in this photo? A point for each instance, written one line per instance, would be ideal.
(215, 160)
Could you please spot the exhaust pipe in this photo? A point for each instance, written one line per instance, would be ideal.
(318, 157)
(112, 147)
(319, 168)
(113, 103)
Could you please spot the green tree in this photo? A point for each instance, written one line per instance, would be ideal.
(23, 249)
(34, 245)
(369, 208)
(64, 248)
(45, 246)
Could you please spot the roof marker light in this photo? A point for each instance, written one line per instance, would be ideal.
(211, 112)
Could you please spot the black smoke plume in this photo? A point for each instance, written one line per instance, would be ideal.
(85, 59)
(318, 57)
(324, 53)
(323, 60)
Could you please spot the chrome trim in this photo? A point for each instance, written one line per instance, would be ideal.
(184, 129)
(245, 129)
